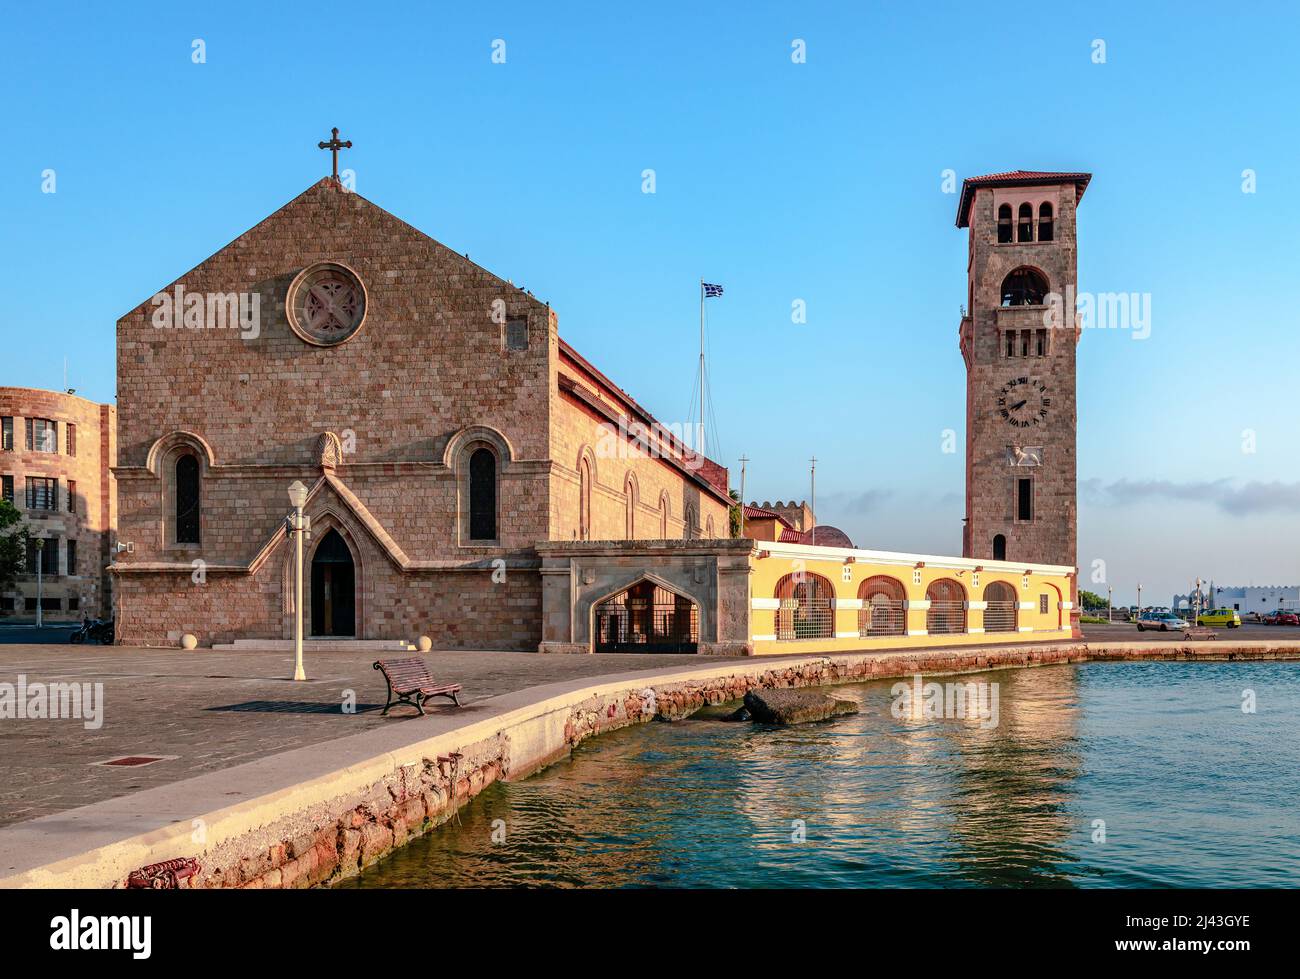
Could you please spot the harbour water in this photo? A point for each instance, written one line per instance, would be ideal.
(1095, 775)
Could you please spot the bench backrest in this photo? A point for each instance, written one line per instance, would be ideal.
(409, 673)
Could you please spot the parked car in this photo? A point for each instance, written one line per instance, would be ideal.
(1282, 617)
(1164, 621)
(1220, 616)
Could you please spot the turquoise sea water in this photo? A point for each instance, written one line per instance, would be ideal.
(1192, 791)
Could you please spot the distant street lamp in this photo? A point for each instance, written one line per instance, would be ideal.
(40, 565)
(1139, 598)
(298, 525)
(1110, 603)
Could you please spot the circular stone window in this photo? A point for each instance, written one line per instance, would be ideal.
(326, 303)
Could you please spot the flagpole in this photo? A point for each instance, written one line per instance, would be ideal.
(701, 433)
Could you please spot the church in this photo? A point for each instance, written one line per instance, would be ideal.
(472, 477)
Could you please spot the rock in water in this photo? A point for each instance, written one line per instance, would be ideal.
(795, 706)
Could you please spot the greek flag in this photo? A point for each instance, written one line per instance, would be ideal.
(710, 290)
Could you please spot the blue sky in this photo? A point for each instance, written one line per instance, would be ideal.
(819, 181)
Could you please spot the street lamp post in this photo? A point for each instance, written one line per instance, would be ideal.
(1110, 603)
(40, 566)
(297, 526)
(1139, 598)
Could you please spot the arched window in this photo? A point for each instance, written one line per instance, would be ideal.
(947, 612)
(1004, 224)
(708, 528)
(882, 612)
(629, 519)
(584, 500)
(1001, 607)
(1045, 221)
(999, 547)
(663, 516)
(691, 525)
(1025, 223)
(804, 610)
(187, 500)
(482, 495)
(1024, 287)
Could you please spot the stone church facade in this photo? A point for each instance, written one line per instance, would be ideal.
(443, 427)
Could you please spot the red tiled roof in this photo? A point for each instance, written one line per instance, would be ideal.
(1015, 178)
(758, 513)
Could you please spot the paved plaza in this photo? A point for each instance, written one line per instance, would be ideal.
(212, 710)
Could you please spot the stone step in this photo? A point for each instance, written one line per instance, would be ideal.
(317, 646)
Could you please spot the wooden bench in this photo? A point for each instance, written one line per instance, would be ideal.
(1199, 632)
(410, 682)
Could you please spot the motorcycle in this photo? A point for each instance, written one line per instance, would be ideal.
(94, 630)
(80, 635)
(102, 633)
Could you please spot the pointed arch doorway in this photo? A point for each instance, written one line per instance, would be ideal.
(333, 588)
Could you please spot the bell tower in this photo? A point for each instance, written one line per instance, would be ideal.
(1018, 338)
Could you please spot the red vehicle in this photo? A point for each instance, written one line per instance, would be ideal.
(1282, 617)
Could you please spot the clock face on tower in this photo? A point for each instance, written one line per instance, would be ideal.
(1024, 402)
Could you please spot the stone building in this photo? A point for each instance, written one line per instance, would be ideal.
(56, 454)
(442, 425)
(1018, 337)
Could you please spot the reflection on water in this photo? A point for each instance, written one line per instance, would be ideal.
(1192, 791)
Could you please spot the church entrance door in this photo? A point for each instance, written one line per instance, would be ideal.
(333, 578)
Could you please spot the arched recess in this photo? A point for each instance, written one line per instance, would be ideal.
(647, 616)
(181, 461)
(1001, 607)
(1024, 286)
(690, 523)
(323, 520)
(882, 612)
(999, 547)
(947, 612)
(709, 532)
(586, 467)
(664, 507)
(1004, 224)
(805, 609)
(479, 456)
(1045, 226)
(632, 497)
(1055, 598)
(1025, 223)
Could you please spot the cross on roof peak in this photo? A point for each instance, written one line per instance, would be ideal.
(334, 144)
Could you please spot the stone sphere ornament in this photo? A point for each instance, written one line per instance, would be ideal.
(424, 643)
(189, 641)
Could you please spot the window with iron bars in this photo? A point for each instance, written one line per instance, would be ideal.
(947, 612)
(647, 618)
(804, 610)
(882, 612)
(1001, 607)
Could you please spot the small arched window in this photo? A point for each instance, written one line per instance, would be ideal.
(999, 547)
(584, 500)
(708, 528)
(1024, 287)
(1025, 223)
(482, 495)
(691, 525)
(1045, 221)
(1004, 224)
(629, 519)
(663, 516)
(187, 500)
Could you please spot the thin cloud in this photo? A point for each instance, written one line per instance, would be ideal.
(1238, 499)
